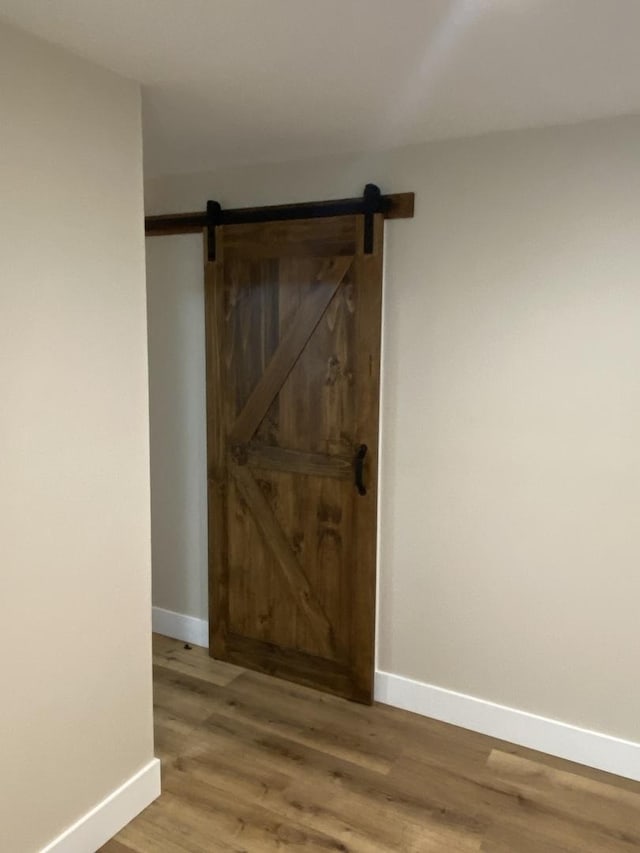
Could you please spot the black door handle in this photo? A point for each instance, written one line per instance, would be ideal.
(358, 467)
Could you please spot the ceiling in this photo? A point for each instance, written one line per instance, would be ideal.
(245, 81)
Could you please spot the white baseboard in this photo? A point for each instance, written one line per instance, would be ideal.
(594, 749)
(188, 629)
(106, 819)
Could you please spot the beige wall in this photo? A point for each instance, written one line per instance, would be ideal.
(509, 536)
(75, 705)
(175, 298)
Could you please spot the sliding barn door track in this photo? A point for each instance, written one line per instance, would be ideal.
(397, 206)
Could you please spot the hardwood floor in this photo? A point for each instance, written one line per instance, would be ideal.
(254, 764)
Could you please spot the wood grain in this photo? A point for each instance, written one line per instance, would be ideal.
(301, 238)
(217, 391)
(285, 558)
(303, 668)
(299, 462)
(259, 764)
(293, 391)
(289, 349)
(194, 661)
(368, 319)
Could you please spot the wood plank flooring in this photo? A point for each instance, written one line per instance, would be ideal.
(252, 764)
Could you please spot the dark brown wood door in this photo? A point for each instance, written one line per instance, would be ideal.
(293, 351)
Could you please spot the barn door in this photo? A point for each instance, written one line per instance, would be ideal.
(293, 347)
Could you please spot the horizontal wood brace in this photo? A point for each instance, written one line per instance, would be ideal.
(297, 461)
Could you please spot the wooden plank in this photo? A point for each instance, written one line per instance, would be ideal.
(220, 821)
(290, 348)
(194, 660)
(298, 238)
(319, 807)
(292, 665)
(359, 808)
(298, 461)
(401, 207)
(278, 544)
(371, 779)
(190, 707)
(593, 805)
(368, 276)
(304, 724)
(335, 723)
(341, 788)
(528, 830)
(216, 456)
(174, 223)
(114, 846)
